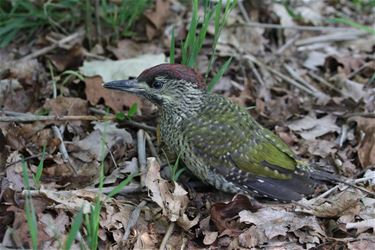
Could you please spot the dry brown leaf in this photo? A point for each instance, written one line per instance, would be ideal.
(128, 48)
(62, 105)
(71, 201)
(311, 127)
(21, 236)
(172, 198)
(366, 148)
(118, 101)
(322, 148)
(334, 206)
(3, 151)
(210, 237)
(14, 172)
(92, 147)
(73, 58)
(24, 85)
(362, 226)
(362, 244)
(270, 223)
(348, 64)
(223, 213)
(157, 17)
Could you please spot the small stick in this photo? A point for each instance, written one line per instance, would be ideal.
(256, 73)
(152, 148)
(295, 75)
(347, 185)
(141, 145)
(167, 236)
(131, 188)
(323, 81)
(364, 114)
(126, 122)
(111, 154)
(297, 27)
(287, 44)
(97, 22)
(343, 134)
(285, 78)
(47, 49)
(33, 118)
(62, 147)
(243, 12)
(339, 36)
(133, 218)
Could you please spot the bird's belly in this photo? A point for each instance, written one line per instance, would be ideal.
(208, 175)
(195, 163)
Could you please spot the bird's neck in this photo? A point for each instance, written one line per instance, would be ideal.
(188, 106)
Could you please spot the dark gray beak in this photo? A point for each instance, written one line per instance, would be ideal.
(124, 85)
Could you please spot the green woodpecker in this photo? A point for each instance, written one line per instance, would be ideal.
(218, 140)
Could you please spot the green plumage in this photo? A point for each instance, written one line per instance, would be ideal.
(219, 141)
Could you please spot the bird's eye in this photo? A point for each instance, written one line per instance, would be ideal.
(157, 84)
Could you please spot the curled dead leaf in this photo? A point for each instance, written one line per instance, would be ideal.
(171, 197)
(366, 147)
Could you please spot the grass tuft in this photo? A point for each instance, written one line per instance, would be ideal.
(193, 43)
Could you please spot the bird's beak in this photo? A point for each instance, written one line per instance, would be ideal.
(132, 86)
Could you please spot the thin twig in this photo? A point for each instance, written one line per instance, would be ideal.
(287, 44)
(152, 148)
(298, 78)
(333, 189)
(141, 145)
(129, 189)
(24, 159)
(334, 37)
(364, 114)
(343, 134)
(97, 22)
(126, 122)
(133, 218)
(285, 78)
(33, 118)
(167, 236)
(47, 49)
(62, 147)
(111, 154)
(297, 27)
(323, 81)
(243, 12)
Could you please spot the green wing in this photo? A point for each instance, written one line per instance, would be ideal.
(231, 135)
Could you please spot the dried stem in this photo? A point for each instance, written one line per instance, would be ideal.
(141, 145)
(60, 43)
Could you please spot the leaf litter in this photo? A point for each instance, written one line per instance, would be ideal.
(337, 132)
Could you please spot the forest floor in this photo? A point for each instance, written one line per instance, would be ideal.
(304, 69)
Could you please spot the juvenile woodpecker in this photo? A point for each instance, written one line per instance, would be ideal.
(218, 140)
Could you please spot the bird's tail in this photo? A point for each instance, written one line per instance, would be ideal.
(323, 176)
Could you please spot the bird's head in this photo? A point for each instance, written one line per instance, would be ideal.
(169, 86)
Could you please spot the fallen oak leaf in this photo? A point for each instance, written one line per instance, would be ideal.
(311, 127)
(366, 147)
(223, 213)
(172, 198)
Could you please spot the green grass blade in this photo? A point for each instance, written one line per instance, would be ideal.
(172, 49)
(120, 186)
(39, 169)
(219, 74)
(76, 225)
(353, 24)
(132, 110)
(29, 209)
(190, 39)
